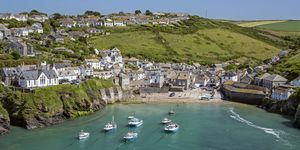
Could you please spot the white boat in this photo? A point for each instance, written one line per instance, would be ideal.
(166, 121)
(110, 126)
(172, 127)
(130, 136)
(130, 117)
(171, 112)
(83, 135)
(135, 122)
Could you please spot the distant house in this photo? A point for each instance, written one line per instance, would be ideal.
(9, 76)
(94, 31)
(259, 80)
(246, 78)
(201, 80)
(154, 79)
(273, 81)
(18, 17)
(229, 76)
(67, 22)
(77, 34)
(5, 32)
(296, 82)
(37, 78)
(94, 63)
(38, 18)
(181, 81)
(103, 74)
(57, 38)
(281, 93)
(37, 27)
(19, 32)
(86, 71)
(66, 73)
(124, 81)
(24, 49)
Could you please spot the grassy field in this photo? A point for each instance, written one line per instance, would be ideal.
(288, 26)
(204, 46)
(258, 23)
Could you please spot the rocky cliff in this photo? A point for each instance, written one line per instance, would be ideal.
(50, 105)
(289, 107)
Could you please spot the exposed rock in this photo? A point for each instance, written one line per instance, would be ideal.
(4, 124)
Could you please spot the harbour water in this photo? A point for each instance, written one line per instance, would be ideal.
(224, 126)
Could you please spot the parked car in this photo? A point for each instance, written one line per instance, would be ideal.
(64, 81)
(172, 94)
(77, 82)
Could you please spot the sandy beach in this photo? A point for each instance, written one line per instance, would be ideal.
(190, 96)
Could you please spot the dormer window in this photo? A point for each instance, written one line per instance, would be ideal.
(43, 80)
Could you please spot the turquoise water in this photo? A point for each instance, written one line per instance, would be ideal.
(202, 126)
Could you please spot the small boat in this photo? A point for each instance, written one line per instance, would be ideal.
(171, 112)
(132, 116)
(83, 135)
(130, 136)
(110, 126)
(166, 121)
(135, 122)
(172, 127)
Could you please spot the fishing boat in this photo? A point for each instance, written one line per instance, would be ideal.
(166, 121)
(110, 126)
(130, 136)
(83, 135)
(171, 127)
(135, 122)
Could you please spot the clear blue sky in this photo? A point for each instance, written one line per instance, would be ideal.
(222, 9)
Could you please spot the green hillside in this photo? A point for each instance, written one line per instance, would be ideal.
(290, 26)
(203, 41)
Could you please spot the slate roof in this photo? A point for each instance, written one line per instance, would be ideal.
(35, 74)
(275, 77)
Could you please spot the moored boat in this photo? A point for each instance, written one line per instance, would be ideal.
(130, 136)
(171, 127)
(171, 112)
(135, 122)
(110, 126)
(83, 135)
(166, 121)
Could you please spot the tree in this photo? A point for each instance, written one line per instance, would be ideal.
(92, 13)
(137, 12)
(148, 13)
(56, 16)
(15, 55)
(47, 27)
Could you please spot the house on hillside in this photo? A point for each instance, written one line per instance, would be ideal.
(9, 76)
(94, 63)
(282, 93)
(229, 76)
(296, 82)
(181, 81)
(37, 78)
(17, 45)
(5, 32)
(259, 80)
(19, 32)
(273, 81)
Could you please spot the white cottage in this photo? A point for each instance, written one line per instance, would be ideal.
(37, 78)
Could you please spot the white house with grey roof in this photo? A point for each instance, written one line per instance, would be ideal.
(37, 78)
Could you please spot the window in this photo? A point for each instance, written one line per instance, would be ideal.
(43, 80)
